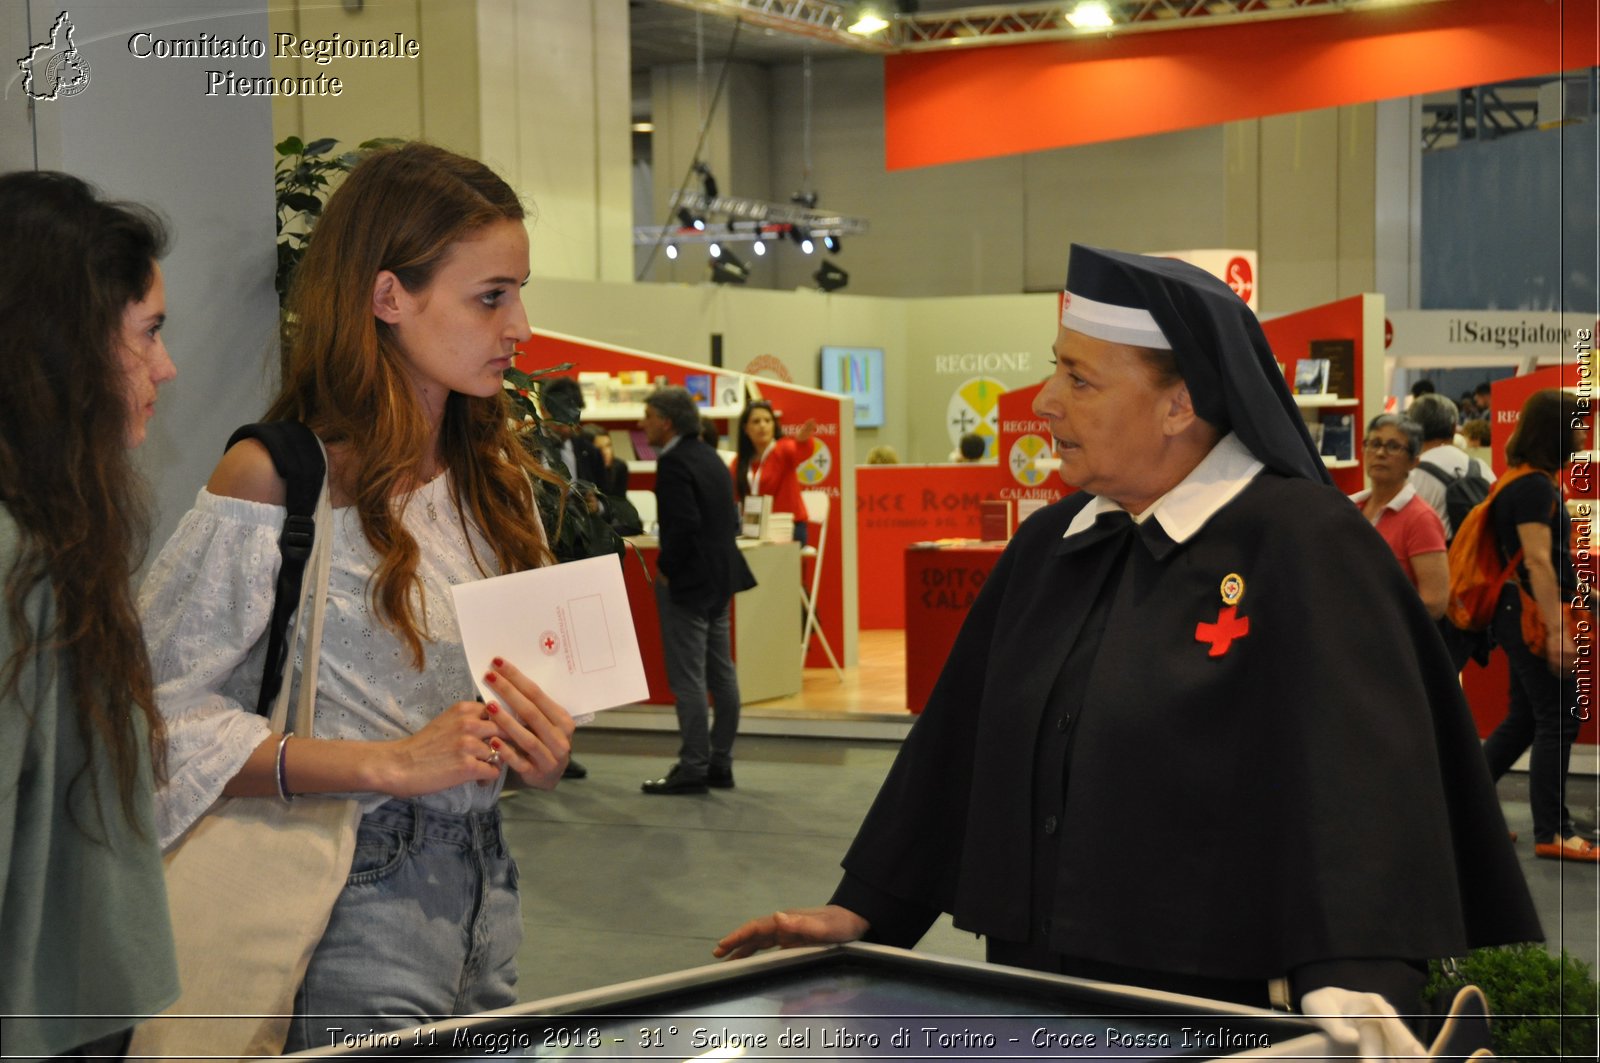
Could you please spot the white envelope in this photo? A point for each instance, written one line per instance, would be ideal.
(567, 626)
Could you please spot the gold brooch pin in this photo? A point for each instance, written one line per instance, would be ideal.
(1232, 588)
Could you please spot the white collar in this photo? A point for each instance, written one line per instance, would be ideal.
(1184, 510)
(1397, 503)
(668, 445)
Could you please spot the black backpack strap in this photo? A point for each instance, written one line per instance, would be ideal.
(297, 456)
(1437, 473)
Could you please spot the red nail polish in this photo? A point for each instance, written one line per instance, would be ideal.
(491, 708)
(494, 744)
(488, 677)
(498, 662)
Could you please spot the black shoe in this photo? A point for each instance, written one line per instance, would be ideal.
(677, 781)
(719, 778)
(575, 770)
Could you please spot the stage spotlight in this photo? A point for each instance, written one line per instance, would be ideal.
(691, 221)
(832, 243)
(672, 250)
(708, 184)
(829, 277)
(716, 249)
(729, 269)
(761, 246)
(807, 246)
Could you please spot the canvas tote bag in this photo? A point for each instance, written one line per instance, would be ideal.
(251, 886)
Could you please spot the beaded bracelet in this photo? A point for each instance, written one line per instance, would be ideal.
(282, 776)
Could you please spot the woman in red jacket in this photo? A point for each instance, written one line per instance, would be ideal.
(767, 461)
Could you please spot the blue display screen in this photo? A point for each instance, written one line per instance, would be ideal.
(856, 372)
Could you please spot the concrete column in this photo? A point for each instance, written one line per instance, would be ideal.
(553, 102)
(145, 129)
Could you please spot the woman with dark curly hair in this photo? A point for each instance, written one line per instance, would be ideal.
(82, 303)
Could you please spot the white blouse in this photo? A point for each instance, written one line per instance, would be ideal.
(205, 606)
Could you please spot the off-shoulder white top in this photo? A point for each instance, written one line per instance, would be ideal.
(205, 606)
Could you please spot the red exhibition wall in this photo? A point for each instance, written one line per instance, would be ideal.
(794, 404)
(974, 103)
(1291, 336)
(897, 505)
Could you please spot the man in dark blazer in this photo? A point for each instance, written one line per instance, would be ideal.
(700, 571)
(563, 404)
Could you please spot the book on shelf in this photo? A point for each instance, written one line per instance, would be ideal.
(622, 445)
(699, 385)
(996, 519)
(1315, 428)
(728, 390)
(641, 445)
(1339, 437)
(1341, 358)
(596, 387)
(1311, 376)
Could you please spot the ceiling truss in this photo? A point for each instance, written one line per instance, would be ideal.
(991, 24)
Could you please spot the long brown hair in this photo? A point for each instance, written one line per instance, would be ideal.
(402, 209)
(1543, 436)
(70, 263)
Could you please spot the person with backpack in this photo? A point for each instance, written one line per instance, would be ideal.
(1446, 477)
(406, 312)
(1397, 511)
(1527, 518)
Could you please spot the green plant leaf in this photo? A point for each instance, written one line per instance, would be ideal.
(320, 147)
(290, 146)
(303, 201)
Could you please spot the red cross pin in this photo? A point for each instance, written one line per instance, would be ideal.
(1229, 626)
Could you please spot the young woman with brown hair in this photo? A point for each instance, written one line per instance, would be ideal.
(1528, 514)
(82, 303)
(406, 313)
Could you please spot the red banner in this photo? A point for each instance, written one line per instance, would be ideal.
(975, 103)
(897, 505)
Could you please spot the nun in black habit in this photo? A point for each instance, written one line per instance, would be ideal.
(1197, 733)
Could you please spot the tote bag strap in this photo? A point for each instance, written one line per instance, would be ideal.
(309, 620)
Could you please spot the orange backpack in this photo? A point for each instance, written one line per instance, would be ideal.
(1476, 571)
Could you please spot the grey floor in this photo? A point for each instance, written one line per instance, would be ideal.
(618, 885)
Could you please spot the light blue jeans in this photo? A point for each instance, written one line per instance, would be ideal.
(427, 927)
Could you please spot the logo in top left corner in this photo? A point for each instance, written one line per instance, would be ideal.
(55, 68)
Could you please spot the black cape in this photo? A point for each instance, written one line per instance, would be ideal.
(1316, 793)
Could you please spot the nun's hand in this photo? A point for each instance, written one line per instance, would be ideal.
(828, 925)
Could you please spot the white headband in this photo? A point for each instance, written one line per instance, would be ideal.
(1115, 324)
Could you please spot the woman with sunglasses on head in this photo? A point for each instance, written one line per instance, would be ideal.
(1403, 517)
(83, 907)
(768, 459)
(407, 313)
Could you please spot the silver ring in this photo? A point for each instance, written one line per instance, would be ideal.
(493, 757)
